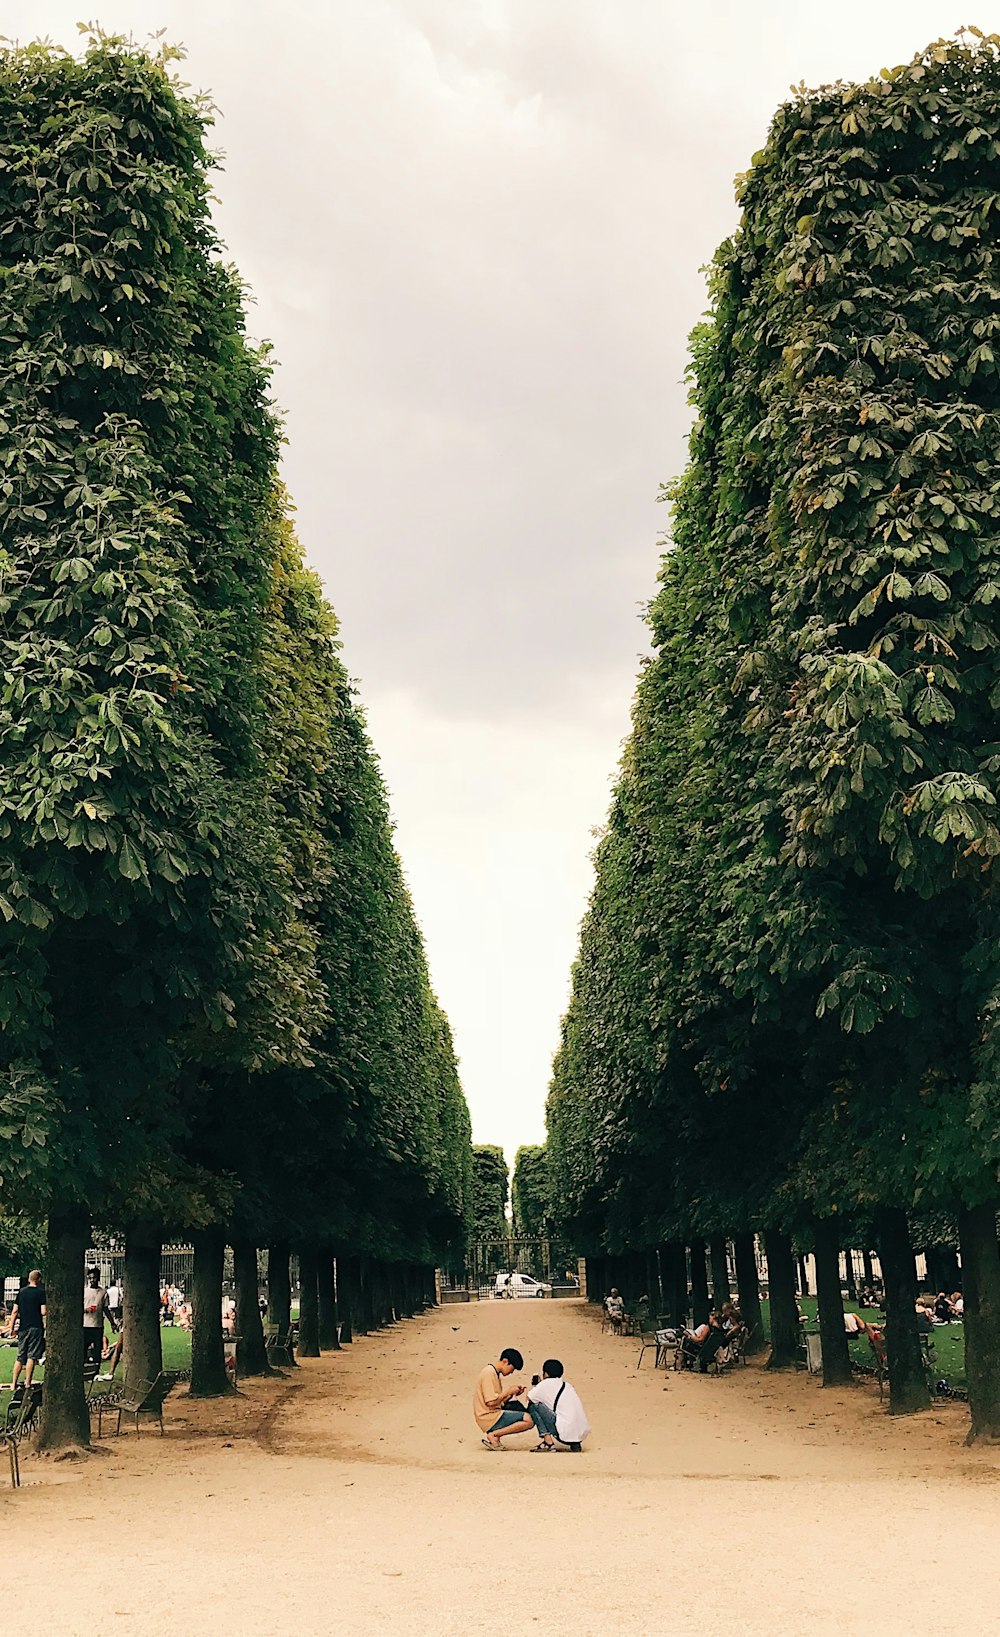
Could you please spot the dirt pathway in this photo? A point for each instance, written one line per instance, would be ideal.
(356, 1492)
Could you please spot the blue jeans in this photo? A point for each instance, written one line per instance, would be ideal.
(545, 1421)
(508, 1418)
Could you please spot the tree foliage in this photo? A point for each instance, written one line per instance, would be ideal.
(214, 1001)
(783, 1007)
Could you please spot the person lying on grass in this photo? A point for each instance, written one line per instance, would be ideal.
(495, 1415)
(556, 1411)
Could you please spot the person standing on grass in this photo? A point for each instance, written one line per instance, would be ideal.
(491, 1399)
(556, 1411)
(29, 1316)
(95, 1310)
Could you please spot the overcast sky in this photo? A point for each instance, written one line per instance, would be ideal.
(474, 229)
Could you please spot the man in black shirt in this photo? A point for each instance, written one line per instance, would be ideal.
(29, 1312)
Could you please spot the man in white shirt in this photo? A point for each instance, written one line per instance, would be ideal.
(556, 1410)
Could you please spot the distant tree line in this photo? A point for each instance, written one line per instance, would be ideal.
(216, 1016)
(784, 1016)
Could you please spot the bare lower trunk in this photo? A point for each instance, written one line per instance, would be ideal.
(344, 1298)
(720, 1270)
(251, 1353)
(308, 1302)
(782, 1307)
(749, 1289)
(977, 1235)
(836, 1353)
(279, 1293)
(699, 1283)
(65, 1424)
(208, 1357)
(142, 1342)
(328, 1324)
(908, 1390)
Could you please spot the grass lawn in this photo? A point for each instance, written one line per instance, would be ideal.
(948, 1341)
(176, 1356)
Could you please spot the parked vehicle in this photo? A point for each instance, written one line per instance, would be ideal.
(520, 1284)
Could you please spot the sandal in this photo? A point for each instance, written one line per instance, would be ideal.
(488, 1443)
(542, 1449)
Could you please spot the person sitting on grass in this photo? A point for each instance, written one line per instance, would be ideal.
(556, 1411)
(495, 1414)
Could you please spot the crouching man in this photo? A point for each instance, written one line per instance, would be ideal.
(495, 1415)
(556, 1410)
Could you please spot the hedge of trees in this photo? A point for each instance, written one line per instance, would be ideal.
(784, 1017)
(215, 1007)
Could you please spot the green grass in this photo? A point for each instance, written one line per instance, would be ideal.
(948, 1341)
(176, 1356)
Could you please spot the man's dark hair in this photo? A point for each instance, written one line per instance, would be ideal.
(512, 1356)
(95, 1272)
(552, 1367)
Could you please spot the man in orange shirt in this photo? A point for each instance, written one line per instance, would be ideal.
(490, 1400)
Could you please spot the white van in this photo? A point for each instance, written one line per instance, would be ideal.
(520, 1284)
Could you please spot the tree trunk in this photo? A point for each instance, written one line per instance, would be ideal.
(208, 1356)
(142, 1340)
(783, 1311)
(279, 1287)
(328, 1339)
(720, 1270)
(65, 1428)
(279, 1292)
(653, 1290)
(344, 1298)
(850, 1279)
(251, 1352)
(749, 1289)
(699, 1283)
(908, 1389)
(308, 1301)
(977, 1237)
(836, 1353)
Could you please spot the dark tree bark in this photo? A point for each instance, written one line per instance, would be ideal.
(251, 1352)
(749, 1289)
(653, 1289)
(908, 1390)
(65, 1427)
(836, 1353)
(851, 1278)
(328, 1339)
(977, 1236)
(782, 1308)
(208, 1357)
(721, 1291)
(673, 1270)
(308, 1302)
(142, 1341)
(279, 1287)
(699, 1282)
(343, 1275)
(595, 1280)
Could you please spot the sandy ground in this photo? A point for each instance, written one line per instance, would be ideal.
(355, 1492)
